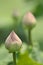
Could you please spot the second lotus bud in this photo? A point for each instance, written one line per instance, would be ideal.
(29, 20)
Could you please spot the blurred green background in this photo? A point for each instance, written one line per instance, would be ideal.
(7, 23)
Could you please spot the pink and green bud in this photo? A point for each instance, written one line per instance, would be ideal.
(29, 20)
(13, 43)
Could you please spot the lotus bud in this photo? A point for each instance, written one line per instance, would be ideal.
(16, 14)
(13, 42)
(29, 20)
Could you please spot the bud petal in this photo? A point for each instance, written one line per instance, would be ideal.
(13, 42)
(29, 20)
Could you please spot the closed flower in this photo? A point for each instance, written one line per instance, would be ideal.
(29, 20)
(13, 42)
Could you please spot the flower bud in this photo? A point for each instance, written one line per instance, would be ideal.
(15, 14)
(29, 20)
(13, 42)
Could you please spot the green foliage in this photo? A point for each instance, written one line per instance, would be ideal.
(5, 57)
(23, 59)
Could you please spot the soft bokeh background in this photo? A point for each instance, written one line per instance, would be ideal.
(7, 24)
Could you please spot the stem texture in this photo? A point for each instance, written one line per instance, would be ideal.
(14, 58)
(30, 39)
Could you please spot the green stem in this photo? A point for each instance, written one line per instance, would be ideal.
(14, 58)
(30, 40)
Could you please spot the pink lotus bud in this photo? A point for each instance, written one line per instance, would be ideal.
(29, 20)
(13, 42)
